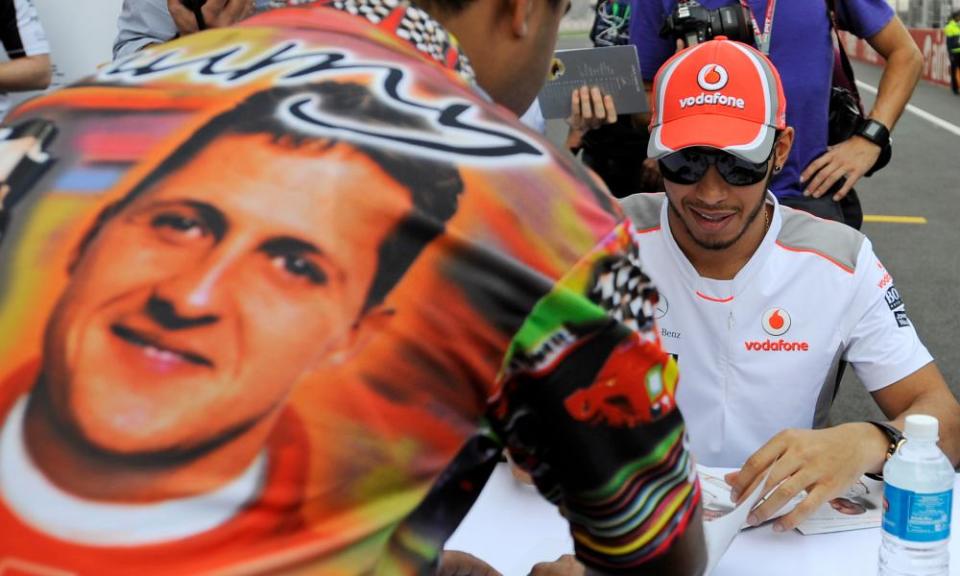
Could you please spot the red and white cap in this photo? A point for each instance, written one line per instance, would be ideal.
(721, 94)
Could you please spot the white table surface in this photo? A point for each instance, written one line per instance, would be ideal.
(512, 528)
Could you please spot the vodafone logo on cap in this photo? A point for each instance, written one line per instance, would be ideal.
(776, 321)
(713, 77)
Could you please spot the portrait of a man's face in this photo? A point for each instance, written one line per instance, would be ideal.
(200, 303)
(848, 506)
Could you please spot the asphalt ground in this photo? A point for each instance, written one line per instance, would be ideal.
(921, 181)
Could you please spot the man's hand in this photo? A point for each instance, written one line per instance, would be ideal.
(566, 565)
(822, 462)
(850, 159)
(590, 109)
(216, 14)
(454, 563)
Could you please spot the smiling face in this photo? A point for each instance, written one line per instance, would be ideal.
(714, 214)
(202, 302)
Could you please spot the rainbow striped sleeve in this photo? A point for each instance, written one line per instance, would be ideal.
(586, 405)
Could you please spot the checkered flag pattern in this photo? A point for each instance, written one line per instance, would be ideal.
(373, 10)
(416, 27)
(625, 292)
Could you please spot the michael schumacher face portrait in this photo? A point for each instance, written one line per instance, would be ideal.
(195, 308)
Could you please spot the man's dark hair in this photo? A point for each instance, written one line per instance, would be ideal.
(434, 186)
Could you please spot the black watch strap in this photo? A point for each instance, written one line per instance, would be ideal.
(198, 13)
(895, 438)
(875, 132)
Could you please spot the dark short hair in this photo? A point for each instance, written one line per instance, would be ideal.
(434, 186)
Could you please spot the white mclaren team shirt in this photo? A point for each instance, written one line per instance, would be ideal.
(762, 352)
(20, 35)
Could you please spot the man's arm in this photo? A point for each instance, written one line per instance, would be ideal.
(825, 462)
(142, 23)
(924, 392)
(26, 73)
(885, 351)
(216, 14)
(586, 405)
(25, 43)
(854, 158)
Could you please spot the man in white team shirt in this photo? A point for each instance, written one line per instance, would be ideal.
(762, 304)
(24, 52)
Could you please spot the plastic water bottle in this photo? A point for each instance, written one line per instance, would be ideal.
(917, 498)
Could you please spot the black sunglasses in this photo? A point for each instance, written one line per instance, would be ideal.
(690, 164)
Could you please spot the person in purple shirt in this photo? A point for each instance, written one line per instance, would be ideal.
(801, 47)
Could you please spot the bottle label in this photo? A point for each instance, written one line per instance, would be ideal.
(916, 517)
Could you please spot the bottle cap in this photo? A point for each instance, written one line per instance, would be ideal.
(922, 428)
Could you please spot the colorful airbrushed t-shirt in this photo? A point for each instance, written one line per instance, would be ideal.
(284, 295)
(801, 47)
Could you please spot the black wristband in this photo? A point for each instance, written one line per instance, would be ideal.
(875, 132)
(198, 13)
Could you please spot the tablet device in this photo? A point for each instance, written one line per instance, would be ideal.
(615, 69)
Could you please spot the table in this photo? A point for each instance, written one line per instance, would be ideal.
(513, 528)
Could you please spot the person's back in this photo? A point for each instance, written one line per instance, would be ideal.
(253, 316)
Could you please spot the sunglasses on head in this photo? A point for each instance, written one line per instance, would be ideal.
(690, 164)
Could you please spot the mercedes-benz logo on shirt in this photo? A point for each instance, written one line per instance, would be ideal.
(662, 306)
(776, 321)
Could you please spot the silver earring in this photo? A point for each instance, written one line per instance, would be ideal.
(777, 169)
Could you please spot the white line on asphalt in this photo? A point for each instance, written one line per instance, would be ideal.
(935, 120)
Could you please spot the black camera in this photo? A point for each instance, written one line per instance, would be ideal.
(693, 23)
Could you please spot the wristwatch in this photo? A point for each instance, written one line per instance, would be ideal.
(875, 132)
(893, 435)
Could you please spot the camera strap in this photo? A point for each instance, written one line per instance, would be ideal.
(849, 81)
(761, 38)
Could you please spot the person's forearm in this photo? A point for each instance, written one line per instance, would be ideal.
(900, 77)
(686, 557)
(944, 407)
(28, 73)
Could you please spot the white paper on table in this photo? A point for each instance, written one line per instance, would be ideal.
(720, 532)
(512, 527)
(861, 506)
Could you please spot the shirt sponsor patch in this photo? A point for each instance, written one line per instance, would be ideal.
(893, 298)
(780, 345)
(902, 320)
(669, 333)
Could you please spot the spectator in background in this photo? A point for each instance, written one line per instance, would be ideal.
(27, 66)
(146, 22)
(952, 34)
(612, 149)
(800, 43)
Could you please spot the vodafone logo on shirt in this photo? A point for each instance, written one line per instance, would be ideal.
(776, 322)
